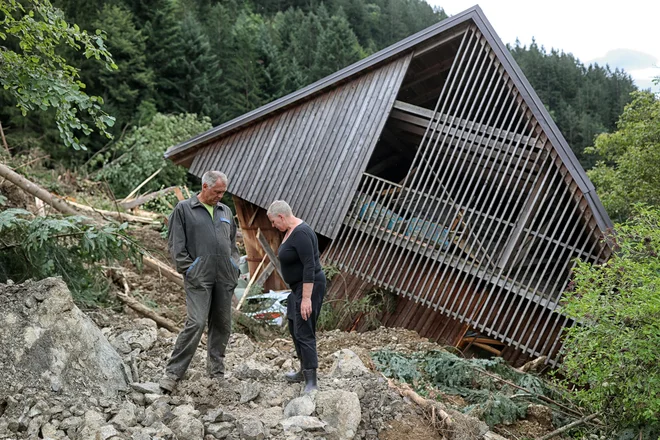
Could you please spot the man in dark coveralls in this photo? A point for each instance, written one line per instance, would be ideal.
(202, 242)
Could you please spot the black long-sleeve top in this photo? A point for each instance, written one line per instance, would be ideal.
(299, 256)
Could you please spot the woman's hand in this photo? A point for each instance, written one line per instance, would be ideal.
(306, 308)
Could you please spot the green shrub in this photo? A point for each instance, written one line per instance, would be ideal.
(140, 154)
(614, 356)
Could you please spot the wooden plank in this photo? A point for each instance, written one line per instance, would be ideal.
(269, 251)
(480, 340)
(253, 278)
(534, 200)
(290, 155)
(265, 274)
(253, 247)
(333, 135)
(427, 114)
(179, 194)
(368, 140)
(254, 214)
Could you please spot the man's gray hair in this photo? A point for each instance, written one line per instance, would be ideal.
(279, 207)
(211, 177)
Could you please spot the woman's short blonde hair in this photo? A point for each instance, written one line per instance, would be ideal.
(279, 207)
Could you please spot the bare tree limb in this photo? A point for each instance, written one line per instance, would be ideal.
(565, 428)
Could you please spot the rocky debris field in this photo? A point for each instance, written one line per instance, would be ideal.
(67, 375)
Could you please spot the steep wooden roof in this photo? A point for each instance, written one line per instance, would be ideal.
(311, 146)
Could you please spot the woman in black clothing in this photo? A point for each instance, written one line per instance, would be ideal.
(301, 269)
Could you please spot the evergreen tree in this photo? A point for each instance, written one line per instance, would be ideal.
(131, 85)
(583, 101)
(163, 31)
(193, 78)
(245, 72)
(337, 47)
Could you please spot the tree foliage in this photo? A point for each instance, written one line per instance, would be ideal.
(37, 76)
(613, 356)
(140, 154)
(584, 101)
(70, 247)
(630, 158)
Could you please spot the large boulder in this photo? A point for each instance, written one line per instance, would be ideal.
(341, 410)
(48, 343)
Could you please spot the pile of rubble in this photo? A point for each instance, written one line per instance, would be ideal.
(68, 376)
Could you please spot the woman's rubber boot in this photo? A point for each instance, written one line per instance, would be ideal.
(310, 381)
(294, 376)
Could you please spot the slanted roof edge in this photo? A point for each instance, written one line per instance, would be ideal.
(545, 120)
(379, 57)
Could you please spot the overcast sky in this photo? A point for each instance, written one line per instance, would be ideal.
(622, 34)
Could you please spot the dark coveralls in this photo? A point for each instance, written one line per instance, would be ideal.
(204, 252)
(300, 263)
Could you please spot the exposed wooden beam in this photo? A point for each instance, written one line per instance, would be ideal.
(481, 128)
(429, 72)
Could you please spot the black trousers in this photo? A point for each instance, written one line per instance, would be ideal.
(303, 332)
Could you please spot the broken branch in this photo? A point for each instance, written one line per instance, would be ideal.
(579, 422)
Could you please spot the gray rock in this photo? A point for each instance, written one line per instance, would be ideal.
(160, 430)
(106, 432)
(141, 337)
(228, 417)
(57, 409)
(141, 434)
(185, 410)
(91, 425)
(241, 346)
(271, 417)
(34, 426)
(347, 364)
(159, 411)
(341, 410)
(55, 345)
(220, 430)
(213, 415)
(252, 369)
(306, 423)
(70, 423)
(126, 417)
(48, 430)
(249, 390)
(187, 427)
(147, 387)
(38, 409)
(300, 406)
(151, 398)
(251, 429)
(138, 398)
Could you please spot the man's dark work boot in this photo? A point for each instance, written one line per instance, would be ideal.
(294, 376)
(310, 381)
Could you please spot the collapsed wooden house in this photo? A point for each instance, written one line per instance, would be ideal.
(432, 170)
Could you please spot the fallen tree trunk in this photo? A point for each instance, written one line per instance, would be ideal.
(36, 190)
(125, 297)
(121, 216)
(147, 312)
(134, 203)
(163, 269)
(66, 208)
